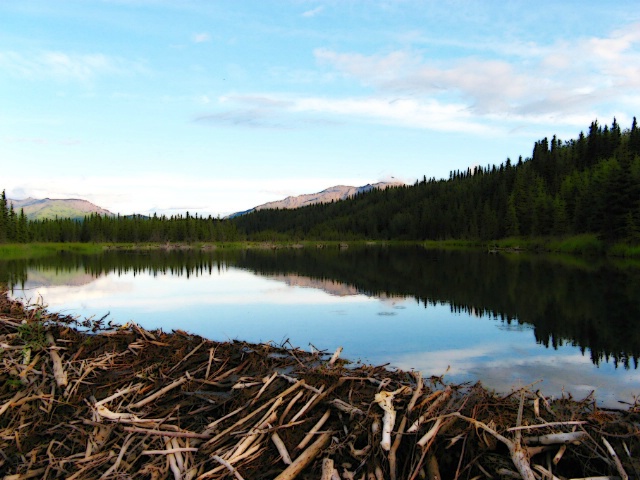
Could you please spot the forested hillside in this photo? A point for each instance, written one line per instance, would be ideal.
(586, 185)
(16, 228)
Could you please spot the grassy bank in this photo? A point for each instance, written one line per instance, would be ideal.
(14, 251)
(583, 245)
(587, 244)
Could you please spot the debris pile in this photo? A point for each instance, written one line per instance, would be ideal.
(84, 400)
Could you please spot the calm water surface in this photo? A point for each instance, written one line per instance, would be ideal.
(507, 320)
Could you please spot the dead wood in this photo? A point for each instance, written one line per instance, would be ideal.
(129, 403)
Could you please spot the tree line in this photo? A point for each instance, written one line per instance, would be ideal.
(586, 185)
(114, 229)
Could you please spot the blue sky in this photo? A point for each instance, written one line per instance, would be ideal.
(217, 106)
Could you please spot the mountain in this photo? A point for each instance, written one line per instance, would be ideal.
(75, 208)
(338, 192)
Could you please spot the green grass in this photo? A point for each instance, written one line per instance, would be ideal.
(584, 245)
(15, 251)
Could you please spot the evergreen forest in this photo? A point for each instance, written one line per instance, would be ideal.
(587, 185)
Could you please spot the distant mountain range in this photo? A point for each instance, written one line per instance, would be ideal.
(339, 192)
(50, 208)
(75, 208)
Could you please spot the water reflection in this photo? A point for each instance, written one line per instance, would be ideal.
(502, 319)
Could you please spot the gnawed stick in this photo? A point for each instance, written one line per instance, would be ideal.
(519, 456)
(335, 356)
(125, 445)
(417, 392)
(23, 476)
(394, 448)
(282, 449)
(314, 430)
(255, 433)
(346, 407)
(616, 459)
(267, 382)
(307, 405)
(9, 403)
(159, 393)
(230, 467)
(290, 406)
(545, 473)
(327, 469)
(58, 370)
(428, 438)
(187, 356)
(558, 456)
(385, 400)
(245, 419)
(543, 425)
(213, 424)
(443, 396)
(168, 451)
(119, 393)
(555, 438)
(305, 458)
(166, 433)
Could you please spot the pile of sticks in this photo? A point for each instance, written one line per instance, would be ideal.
(123, 402)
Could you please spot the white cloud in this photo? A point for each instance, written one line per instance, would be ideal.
(64, 66)
(201, 37)
(565, 84)
(558, 82)
(313, 12)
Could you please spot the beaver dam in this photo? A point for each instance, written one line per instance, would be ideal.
(84, 400)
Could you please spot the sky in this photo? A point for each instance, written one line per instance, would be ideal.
(216, 106)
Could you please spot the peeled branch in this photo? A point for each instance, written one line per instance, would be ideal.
(385, 400)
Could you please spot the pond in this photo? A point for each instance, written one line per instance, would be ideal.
(567, 325)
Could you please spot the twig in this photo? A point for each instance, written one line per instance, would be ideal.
(230, 467)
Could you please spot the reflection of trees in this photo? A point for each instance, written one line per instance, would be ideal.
(593, 307)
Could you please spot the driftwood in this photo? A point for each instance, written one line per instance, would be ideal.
(81, 401)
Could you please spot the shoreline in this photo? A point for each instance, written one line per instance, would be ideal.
(124, 400)
(588, 246)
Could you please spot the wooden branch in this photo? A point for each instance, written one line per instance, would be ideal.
(417, 392)
(282, 449)
(327, 469)
(394, 448)
(616, 459)
(314, 430)
(385, 400)
(229, 467)
(305, 458)
(167, 452)
(335, 356)
(554, 438)
(58, 370)
(159, 393)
